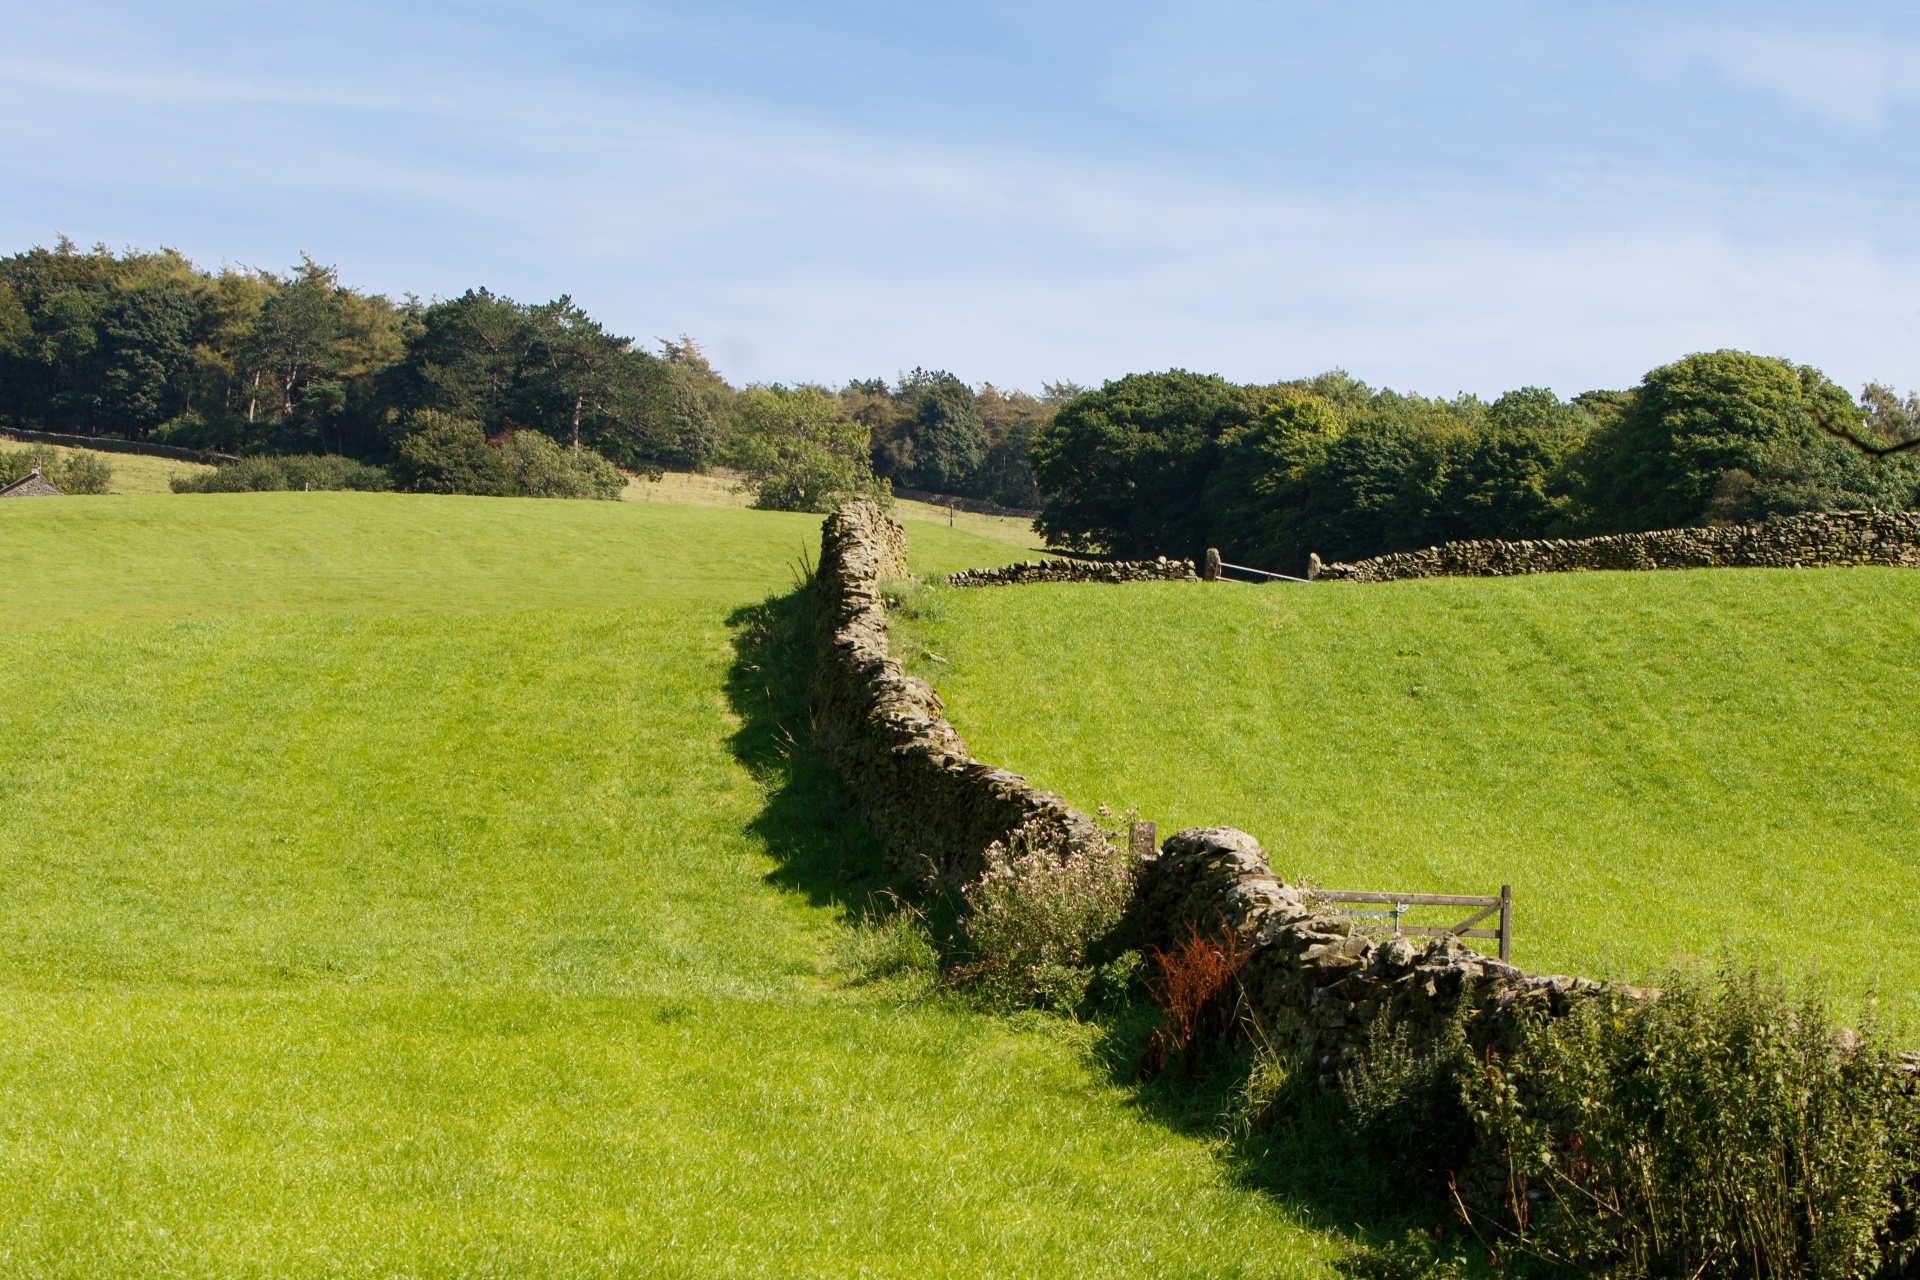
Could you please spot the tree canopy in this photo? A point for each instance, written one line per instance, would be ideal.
(147, 346)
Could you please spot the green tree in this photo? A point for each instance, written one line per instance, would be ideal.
(948, 441)
(1728, 436)
(575, 374)
(1126, 467)
(464, 359)
(143, 357)
(687, 407)
(799, 453)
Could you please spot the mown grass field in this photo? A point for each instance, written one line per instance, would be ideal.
(410, 886)
(1661, 764)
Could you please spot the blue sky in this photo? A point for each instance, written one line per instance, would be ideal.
(1436, 197)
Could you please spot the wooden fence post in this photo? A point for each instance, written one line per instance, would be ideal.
(1506, 923)
(1211, 573)
(1143, 841)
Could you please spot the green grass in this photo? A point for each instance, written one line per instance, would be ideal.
(428, 887)
(1661, 764)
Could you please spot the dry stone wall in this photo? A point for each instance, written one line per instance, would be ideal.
(1815, 540)
(1312, 975)
(1160, 570)
(934, 807)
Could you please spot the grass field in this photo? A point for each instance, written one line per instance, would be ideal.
(413, 886)
(1660, 763)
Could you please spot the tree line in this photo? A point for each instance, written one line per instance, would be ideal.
(1172, 463)
(483, 394)
(147, 346)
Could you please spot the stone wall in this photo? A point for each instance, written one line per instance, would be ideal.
(109, 444)
(1311, 975)
(934, 807)
(1815, 540)
(1028, 571)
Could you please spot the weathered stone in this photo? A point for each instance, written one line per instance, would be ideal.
(1812, 540)
(1030, 571)
(934, 807)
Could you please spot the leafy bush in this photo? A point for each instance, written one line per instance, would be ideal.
(75, 471)
(1034, 914)
(538, 468)
(79, 471)
(799, 454)
(444, 454)
(1723, 1129)
(297, 471)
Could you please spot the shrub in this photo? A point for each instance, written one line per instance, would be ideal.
(444, 454)
(76, 471)
(539, 468)
(297, 471)
(79, 471)
(1722, 1129)
(1035, 912)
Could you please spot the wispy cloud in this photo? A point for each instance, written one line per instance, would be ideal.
(808, 241)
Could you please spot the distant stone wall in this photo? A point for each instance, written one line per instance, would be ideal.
(110, 444)
(974, 505)
(1028, 571)
(934, 807)
(1818, 539)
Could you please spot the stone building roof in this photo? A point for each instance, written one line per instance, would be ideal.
(33, 485)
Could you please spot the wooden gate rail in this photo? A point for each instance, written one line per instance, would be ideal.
(1142, 840)
(1488, 905)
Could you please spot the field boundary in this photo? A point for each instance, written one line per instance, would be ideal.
(1814, 540)
(113, 444)
(1312, 977)
(934, 807)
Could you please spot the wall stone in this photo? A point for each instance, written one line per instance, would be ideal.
(1817, 539)
(934, 807)
(1160, 570)
(1312, 976)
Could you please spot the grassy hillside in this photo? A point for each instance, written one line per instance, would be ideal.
(416, 886)
(1657, 762)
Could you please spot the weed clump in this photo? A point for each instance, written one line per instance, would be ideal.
(1197, 989)
(1036, 913)
(892, 941)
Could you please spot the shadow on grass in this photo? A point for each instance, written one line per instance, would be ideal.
(822, 849)
(1307, 1160)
